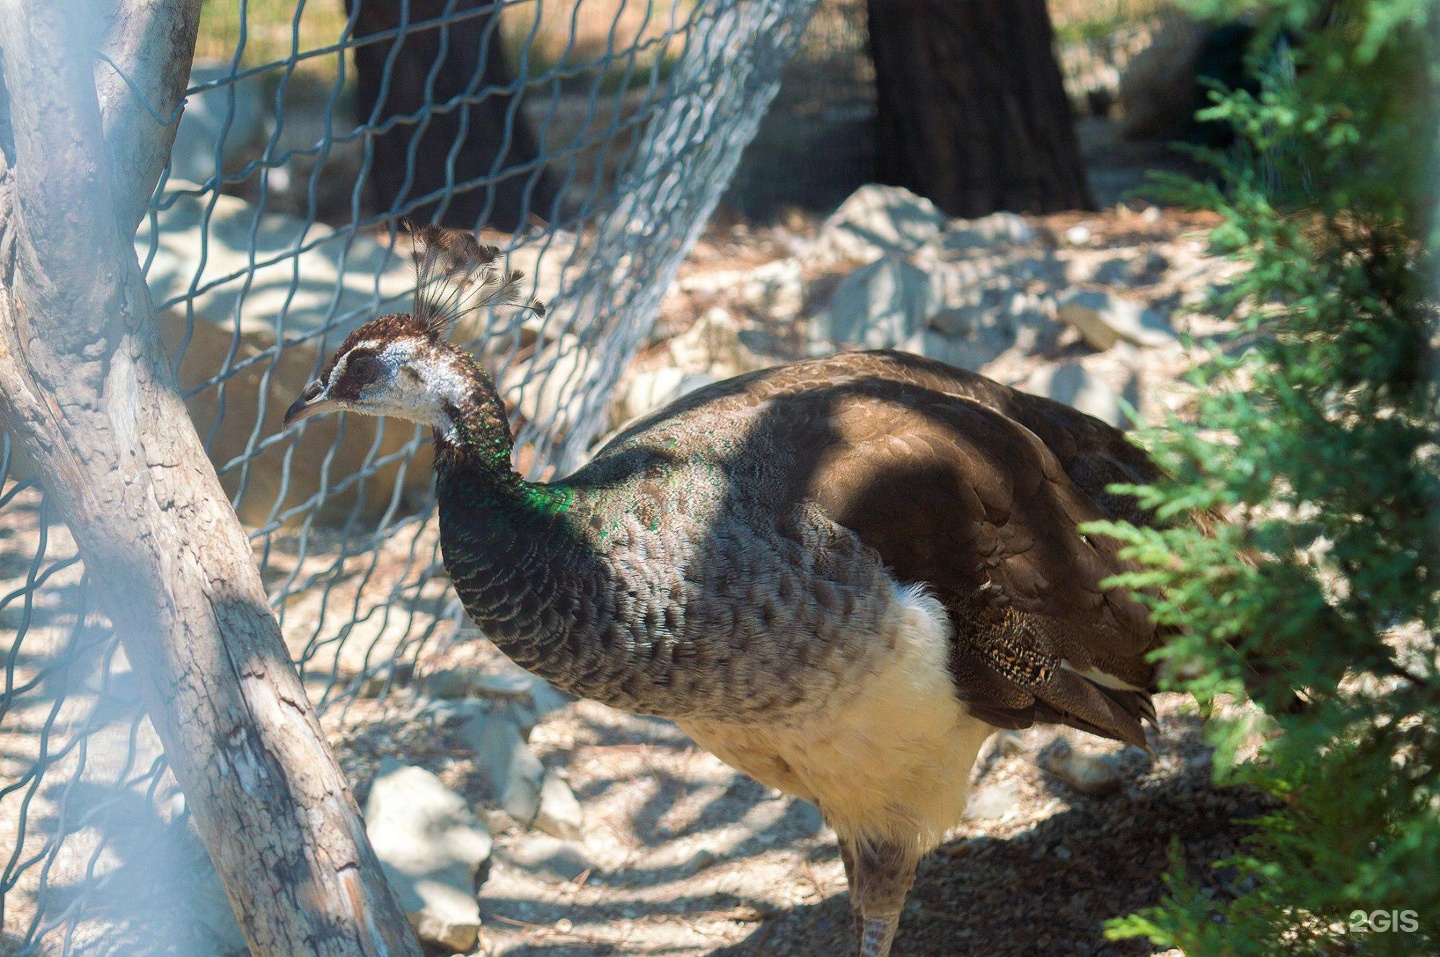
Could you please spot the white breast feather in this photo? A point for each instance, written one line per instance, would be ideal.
(891, 753)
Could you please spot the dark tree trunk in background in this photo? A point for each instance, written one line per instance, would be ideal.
(411, 158)
(972, 109)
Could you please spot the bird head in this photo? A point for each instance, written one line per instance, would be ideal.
(404, 364)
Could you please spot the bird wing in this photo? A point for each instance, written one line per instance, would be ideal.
(962, 498)
(959, 483)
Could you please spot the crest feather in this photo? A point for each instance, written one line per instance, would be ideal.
(455, 274)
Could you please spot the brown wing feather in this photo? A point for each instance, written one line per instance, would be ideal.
(958, 496)
(965, 485)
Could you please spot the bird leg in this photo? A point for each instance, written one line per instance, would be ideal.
(881, 876)
(847, 857)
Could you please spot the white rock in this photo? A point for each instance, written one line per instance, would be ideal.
(560, 814)
(775, 288)
(1078, 235)
(450, 712)
(651, 389)
(517, 683)
(993, 802)
(545, 856)
(224, 120)
(715, 347)
(806, 816)
(1000, 319)
(1003, 308)
(951, 350)
(1009, 742)
(878, 306)
(997, 229)
(1077, 387)
(698, 861)
(1089, 772)
(876, 220)
(510, 770)
(1104, 319)
(450, 683)
(647, 390)
(1132, 269)
(547, 387)
(431, 848)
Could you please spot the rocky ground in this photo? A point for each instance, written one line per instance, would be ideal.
(587, 831)
(610, 834)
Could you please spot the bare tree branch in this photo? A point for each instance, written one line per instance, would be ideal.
(85, 389)
(141, 82)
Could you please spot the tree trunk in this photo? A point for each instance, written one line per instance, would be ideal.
(86, 390)
(972, 109)
(407, 82)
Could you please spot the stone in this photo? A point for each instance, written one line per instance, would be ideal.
(878, 306)
(450, 683)
(560, 814)
(1009, 742)
(806, 817)
(999, 318)
(547, 387)
(1104, 319)
(714, 347)
(517, 684)
(698, 861)
(994, 801)
(507, 684)
(1078, 235)
(997, 229)
(450, 712)
(1076, 386)
(1089, 772)
(951, 350)
(431, 848)
(517, 696)
(1132, 270)
(650, 389)
(512, 774)
(223, 122)
(775, 289)
(874, 221)
(549, 858)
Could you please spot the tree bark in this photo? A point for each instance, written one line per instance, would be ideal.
(85, 388)
(972, 111)
(424, 145)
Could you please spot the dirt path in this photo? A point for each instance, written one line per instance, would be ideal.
(691, 858)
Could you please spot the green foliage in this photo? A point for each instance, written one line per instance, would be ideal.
(1315, 437)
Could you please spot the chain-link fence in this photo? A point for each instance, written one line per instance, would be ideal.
(590, 141)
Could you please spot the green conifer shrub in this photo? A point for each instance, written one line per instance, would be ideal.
(1316, 437)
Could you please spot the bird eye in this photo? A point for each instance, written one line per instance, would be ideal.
(364, 367)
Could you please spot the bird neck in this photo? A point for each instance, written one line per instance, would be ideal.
(472, 434)
(521, 567)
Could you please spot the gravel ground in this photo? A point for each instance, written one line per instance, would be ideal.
(682, 856)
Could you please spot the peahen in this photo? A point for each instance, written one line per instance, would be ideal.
(839, 575)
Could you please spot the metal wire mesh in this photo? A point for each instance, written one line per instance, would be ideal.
(599, 135)
(613, 127)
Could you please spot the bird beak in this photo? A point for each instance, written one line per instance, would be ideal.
(311, 402)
